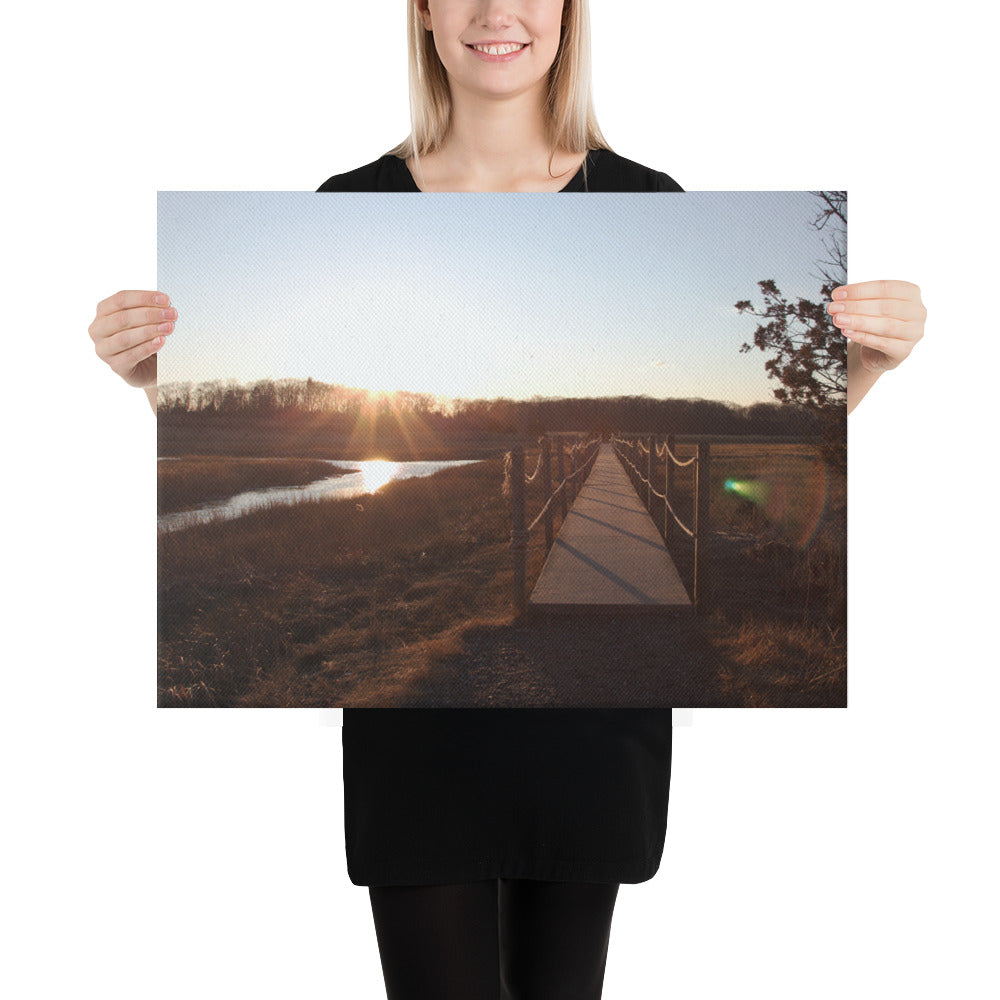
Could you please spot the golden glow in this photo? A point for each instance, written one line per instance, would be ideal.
(377, 473)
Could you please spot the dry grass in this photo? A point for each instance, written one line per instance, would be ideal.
(797, 664)
(183, 483)
(776, 575)
(329, 582)
(403, 598)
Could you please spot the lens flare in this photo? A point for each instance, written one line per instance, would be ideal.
(750, 489)
(790, 487)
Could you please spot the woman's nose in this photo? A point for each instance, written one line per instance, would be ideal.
(496, 13)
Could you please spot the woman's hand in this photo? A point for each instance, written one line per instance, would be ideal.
(128, 330)
(884, 318)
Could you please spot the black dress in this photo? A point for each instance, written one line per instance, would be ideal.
(435, 796)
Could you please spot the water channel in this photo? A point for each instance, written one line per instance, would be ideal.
(364, 477)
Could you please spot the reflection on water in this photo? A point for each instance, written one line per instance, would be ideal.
(364, 477)
(377, 473)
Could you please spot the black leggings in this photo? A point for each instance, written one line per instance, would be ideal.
(506, 939)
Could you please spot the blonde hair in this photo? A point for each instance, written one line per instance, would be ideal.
(572, 123)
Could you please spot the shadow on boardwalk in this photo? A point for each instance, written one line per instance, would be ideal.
(598, 661)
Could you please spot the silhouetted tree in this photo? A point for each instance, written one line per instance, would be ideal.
(808, 352)
(832, 221)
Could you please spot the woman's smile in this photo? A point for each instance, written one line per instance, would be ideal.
(497, 51)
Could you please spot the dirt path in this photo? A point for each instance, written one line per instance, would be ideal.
(608, 661)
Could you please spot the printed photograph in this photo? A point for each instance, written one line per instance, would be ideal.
(502, 450)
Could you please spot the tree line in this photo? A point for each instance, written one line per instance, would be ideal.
(340, 409)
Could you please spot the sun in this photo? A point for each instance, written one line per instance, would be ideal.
(377, 473)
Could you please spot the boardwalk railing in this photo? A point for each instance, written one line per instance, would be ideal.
(639, 453)
(572, 468)
(636, 454)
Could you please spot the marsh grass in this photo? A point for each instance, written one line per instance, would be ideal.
(403, 597)
(326, 580)
(776, 575)
(183, 483)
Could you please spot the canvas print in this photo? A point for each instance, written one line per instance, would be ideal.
(501, 450)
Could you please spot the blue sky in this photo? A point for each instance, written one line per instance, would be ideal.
(480, 295)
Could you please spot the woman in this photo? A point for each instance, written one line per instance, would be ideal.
(494, 841)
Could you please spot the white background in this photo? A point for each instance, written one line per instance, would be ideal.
(810, 853)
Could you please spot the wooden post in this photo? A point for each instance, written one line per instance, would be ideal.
(547, 484)
(668, 489)
(701, 496)
(518, 534)
(572, 472)
(561, 472)
(650, 455)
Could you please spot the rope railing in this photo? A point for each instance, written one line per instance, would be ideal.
(548, 503)
(663, 450)
(509, 461)
(680, 524)
(638, 458)
(538, 468)
(580, 458)
(648, 482)
(643, 480)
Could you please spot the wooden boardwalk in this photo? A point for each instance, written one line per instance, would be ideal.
(608, 554)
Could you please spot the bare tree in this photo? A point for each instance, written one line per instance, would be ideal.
(831, 220)
(808, 352)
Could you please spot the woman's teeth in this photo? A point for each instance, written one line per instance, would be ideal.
(498, 50)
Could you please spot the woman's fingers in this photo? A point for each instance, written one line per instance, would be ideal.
(130, 300)
(127, 340)
(893, 337)
(883, 326)
(888, 345)
(129, 327)
(126, 363)
(905, 290)
(126, 320)
(885, 317)
(907, 309)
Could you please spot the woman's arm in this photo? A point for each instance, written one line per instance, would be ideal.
(883, 320)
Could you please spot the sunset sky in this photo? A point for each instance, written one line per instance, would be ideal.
(481, 295)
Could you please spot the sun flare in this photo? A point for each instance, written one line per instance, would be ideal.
(377, 473)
